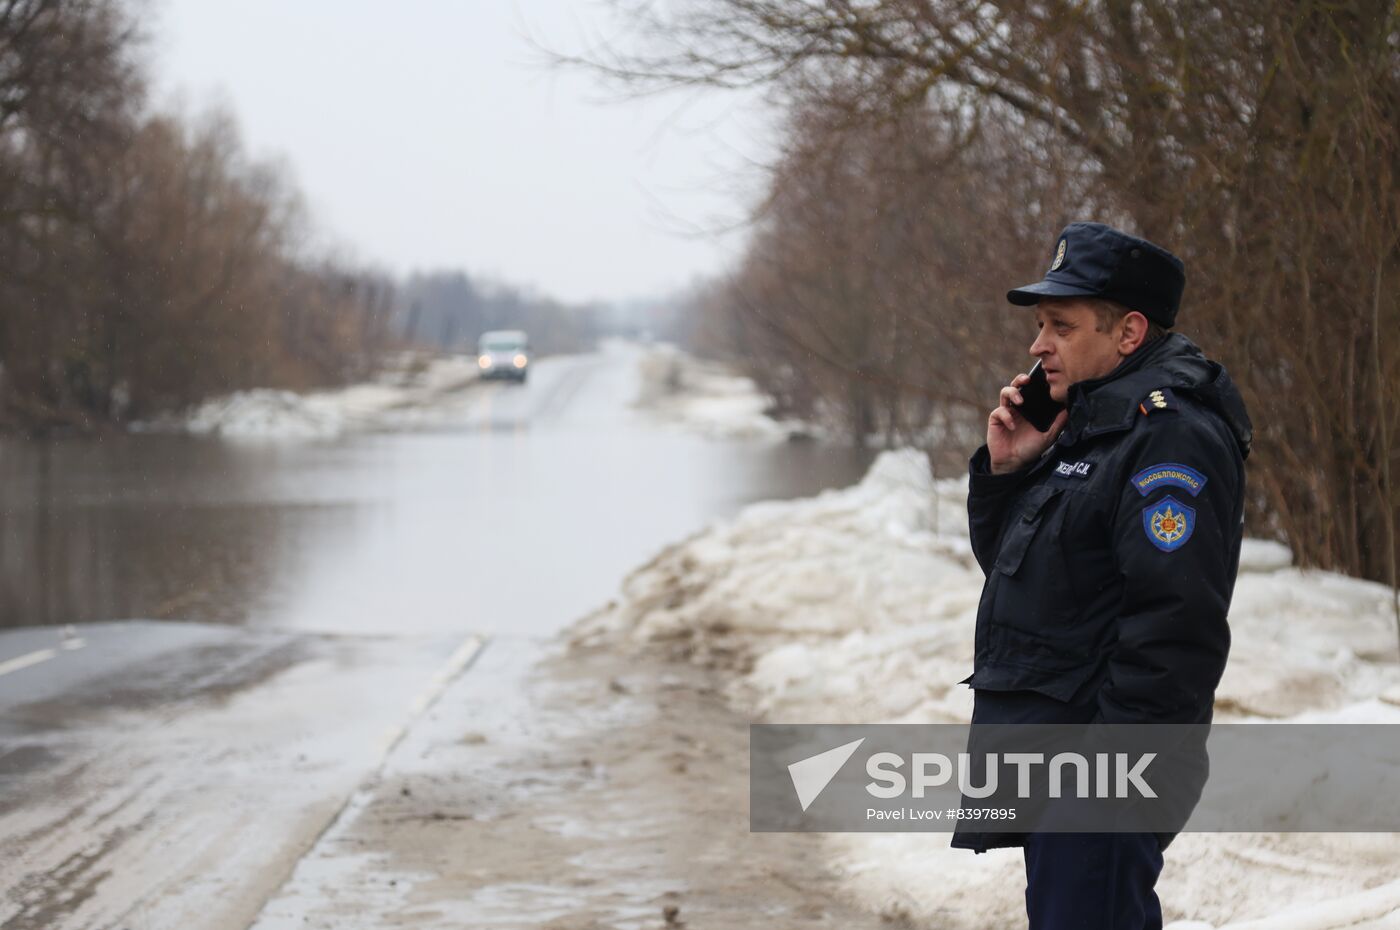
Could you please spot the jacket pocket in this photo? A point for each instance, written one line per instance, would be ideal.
(1029, 514)
(1064, 681)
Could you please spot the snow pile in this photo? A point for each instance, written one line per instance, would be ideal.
(859, 605)
(705, 396)
(270, 414)
(808, 599)
(399, 394)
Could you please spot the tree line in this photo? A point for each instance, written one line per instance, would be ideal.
(450, 310)
(932, 150)
(149, 262)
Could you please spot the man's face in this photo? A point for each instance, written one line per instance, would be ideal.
(1070, 349)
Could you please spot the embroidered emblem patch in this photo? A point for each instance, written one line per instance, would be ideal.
(1059, 257)
(1169, 474)
(1074, 469)
(1168, 523)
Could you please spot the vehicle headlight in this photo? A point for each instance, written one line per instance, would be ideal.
(519, 361)
(484, 361)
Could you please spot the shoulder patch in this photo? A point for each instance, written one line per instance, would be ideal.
(1169, 474)
(1168, 523)
(1158, 399)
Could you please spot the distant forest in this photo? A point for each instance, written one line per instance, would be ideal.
(450, 310)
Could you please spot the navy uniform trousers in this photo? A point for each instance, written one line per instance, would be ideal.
(1093, 881)
(1080, 881)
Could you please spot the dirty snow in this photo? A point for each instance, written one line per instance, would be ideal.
(399, 396)
(678, 389)
(859, 605)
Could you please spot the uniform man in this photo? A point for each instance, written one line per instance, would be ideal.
(1110, 545)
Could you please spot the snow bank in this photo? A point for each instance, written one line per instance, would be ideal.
(263, 414)
(859, 605)
(685, 391)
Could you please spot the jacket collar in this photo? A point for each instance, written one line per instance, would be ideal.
(1110, 403)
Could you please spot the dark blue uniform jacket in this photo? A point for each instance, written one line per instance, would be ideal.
(1111, 560)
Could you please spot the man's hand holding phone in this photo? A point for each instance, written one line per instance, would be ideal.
(1013, 442)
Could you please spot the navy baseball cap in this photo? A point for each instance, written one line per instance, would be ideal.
(1094, 260)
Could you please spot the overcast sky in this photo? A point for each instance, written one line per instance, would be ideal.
(427, 134)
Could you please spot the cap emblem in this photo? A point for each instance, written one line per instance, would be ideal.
(1059, 256)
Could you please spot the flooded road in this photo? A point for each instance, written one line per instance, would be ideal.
(509, 509)
(216, 646)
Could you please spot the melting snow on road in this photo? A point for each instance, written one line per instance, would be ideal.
(859, 605)
(401, 395)
(704, 396)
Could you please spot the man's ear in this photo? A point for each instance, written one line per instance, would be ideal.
(1134, 332)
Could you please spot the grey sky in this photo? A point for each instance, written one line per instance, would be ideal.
(425, 134)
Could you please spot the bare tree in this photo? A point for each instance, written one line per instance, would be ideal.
(1258, 139)
(148, 261)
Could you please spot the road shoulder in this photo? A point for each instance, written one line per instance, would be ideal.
(554, 787)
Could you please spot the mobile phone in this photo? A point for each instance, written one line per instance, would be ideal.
(1036, 405)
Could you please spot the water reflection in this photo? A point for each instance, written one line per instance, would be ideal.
(520, 516)
(156, 527)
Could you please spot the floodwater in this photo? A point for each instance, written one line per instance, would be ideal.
(518, 510)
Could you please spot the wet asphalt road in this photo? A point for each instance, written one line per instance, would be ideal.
(171, 774)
